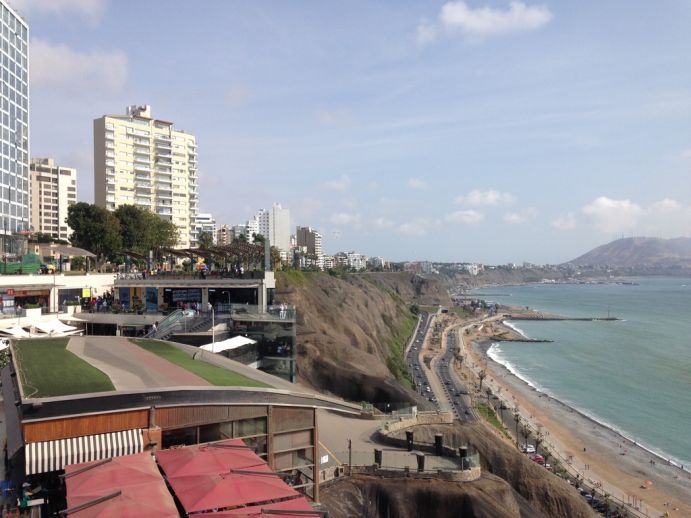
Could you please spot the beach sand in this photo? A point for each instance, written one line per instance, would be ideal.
(601, 455)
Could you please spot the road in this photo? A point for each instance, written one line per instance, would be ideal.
(440, 384)
(455, 391)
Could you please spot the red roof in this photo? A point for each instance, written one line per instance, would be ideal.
(206, 492)
(297, 504)
(208, 459)
(143, 491)
(221, 475)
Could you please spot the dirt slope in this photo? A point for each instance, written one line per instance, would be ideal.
(352, 330)
(489, 497)
(546, 494)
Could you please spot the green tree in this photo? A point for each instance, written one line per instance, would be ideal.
(205, 240)
(258, 238)
(482, 375)
(94, 229)
(40, 237)
(142, 230)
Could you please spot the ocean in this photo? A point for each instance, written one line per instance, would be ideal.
(632, 375)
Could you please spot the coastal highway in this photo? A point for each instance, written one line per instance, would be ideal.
(455, 390)
(417, 371)
(446, 383)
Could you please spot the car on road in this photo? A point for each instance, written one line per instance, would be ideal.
(528, 448)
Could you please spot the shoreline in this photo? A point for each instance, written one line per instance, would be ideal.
(620, 463)
(486, 343)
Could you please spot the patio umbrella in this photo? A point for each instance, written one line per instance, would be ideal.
(206, 492)
(296, 504)
(101, 477)
(208, 459)
(152, 500)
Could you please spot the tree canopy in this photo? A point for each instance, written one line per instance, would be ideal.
(94, 228)
(142, 230)
(205, 240)
(131, 228)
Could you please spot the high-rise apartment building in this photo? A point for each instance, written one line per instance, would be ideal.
(142, 161)
(311, 240)
(53, 190)
(224, 235)
(14, 133)
(204, 222)
(274, 224)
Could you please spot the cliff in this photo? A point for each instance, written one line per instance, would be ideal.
(640, 251)
(352, 330)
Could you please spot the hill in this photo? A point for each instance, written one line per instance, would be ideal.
(635, 252)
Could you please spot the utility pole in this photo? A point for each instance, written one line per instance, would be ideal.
(350, 457)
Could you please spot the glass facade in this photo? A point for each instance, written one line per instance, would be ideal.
(14, 124)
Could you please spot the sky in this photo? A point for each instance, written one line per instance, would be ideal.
(482, 131)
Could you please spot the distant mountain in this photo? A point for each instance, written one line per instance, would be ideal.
(640, 251)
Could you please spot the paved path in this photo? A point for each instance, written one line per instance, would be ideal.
(129, 366)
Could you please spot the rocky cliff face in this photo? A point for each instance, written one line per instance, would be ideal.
(353, 328)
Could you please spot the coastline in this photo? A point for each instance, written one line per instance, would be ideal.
(604, 456)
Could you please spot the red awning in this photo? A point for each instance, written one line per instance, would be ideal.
(206, 492)
(208, 459)
(297, 504)
(143, 491)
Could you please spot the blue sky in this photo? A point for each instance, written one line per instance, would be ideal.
(490, 131)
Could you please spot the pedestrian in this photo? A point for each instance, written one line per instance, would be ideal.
(154, 327)
(209, 307)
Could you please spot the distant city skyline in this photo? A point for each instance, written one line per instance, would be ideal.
(480, 131)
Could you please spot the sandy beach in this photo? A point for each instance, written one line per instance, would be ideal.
(602, 456)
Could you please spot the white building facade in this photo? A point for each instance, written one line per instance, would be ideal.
(142, 161)
(53, 190)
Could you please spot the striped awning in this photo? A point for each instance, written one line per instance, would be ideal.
(43, 457)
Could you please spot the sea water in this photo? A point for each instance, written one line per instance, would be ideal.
(633, 375)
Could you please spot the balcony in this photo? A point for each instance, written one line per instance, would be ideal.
(141, 167)
(143, 186)
(142, 201)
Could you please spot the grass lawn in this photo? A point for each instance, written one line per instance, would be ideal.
(211, 373)
(48, 369)
(491, 417)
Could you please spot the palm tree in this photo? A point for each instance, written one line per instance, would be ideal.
(538, 440)
(517, 419)
(488, 391)
(482, 375)
(525, 432)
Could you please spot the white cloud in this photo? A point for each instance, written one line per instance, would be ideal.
(338, 184)
(613, 216)
(383, 223)
(567, 222)
(487, 21)
(416, 183)
(482, 22)
(345, 218)
(58, 66)
(477, 198)
(520, 217)
(91, 10)
(418, 227)
(466, 217)
(686, 154)
(663, 218)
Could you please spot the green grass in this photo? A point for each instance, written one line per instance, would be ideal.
(295, 278)
(396, 343)
(491, 417)
(48, 369)
(211, 373)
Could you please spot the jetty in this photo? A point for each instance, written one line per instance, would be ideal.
(547, 318)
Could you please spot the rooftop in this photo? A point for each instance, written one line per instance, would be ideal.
(82, 365)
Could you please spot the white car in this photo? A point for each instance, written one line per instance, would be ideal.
(528, 448)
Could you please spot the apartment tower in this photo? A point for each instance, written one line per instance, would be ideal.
(311, 241)
(53, 190)
(142, 161)
(14, 133)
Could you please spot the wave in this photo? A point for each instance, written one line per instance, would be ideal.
(517, 329)
(495, 353)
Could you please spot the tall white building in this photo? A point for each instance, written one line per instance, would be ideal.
(204, 222)
(53, 190)
(14, 135)
(142, 161)
(274, 224)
